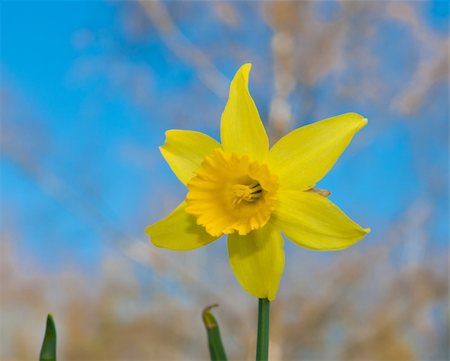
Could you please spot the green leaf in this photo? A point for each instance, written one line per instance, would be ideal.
(48, 349)
(216, 350)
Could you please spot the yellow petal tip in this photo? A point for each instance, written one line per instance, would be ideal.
(244, 71)
(148, 232)
(361, 122)
(364, 121)
(358, 120)
(164, 152)
(246, 66)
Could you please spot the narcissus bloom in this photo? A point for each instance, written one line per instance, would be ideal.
(253, 194)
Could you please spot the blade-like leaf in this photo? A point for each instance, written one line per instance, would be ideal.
(48, 350)
(216, 350)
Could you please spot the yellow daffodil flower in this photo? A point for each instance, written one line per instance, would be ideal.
(253, 194)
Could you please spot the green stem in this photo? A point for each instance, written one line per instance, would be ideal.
(262, 344)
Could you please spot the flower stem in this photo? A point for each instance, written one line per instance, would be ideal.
(262, 343)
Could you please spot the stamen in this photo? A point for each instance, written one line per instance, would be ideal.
(248, 193)
(255, 188)
(254, 185)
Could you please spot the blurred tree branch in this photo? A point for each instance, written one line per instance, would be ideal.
(183, 48)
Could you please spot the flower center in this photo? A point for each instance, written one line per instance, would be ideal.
(248, 193)
(231, 193)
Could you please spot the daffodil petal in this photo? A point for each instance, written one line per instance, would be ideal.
(305, 155)
(312, 221)
(179, 231)
(257, 260)
(242, 131)
(184, 151)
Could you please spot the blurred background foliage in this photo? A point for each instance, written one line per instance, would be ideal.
(88, 90)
